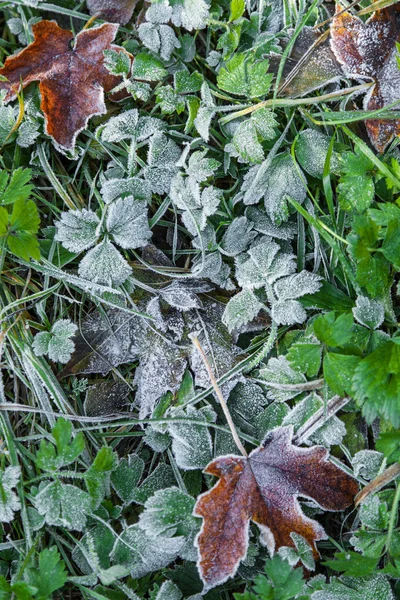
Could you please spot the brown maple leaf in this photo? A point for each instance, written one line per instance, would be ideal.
(264, 488)
(73, 79)
(368, 51)
(116, 11)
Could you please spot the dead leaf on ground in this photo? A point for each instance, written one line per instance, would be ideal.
(115, 11)
(264, 488)
(73, 79)
(368, 51)
(311, 65)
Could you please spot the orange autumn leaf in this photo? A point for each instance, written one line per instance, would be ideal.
(368, 51)
(264, 488)
(116, 11)
(72, 78)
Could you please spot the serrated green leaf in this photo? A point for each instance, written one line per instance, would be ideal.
(243, 77)
(52, 457)
(334, 331)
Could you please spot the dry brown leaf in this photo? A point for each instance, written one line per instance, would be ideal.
(311, 65)
(264, 488)
(368, 51)
(73, 79)
(115, 11)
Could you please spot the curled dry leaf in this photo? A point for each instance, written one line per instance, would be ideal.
(116, 11)
(368, 50)
(264, 488)
(73, 79)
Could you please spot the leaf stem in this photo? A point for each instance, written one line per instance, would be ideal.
(393, 518)
(219, 395)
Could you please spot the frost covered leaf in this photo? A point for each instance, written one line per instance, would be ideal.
(311, 151)
(278, 370)
(160, 39)
(201, 167)
(72, 79)
(197, 204)
(237, 237)
(183, 297)
(9, 501)
(125, 478)
(162, 158)
(76, 230)
(241, 309)
(265, 123)
(242, 76)
(367, 463)
(217, 344)
(206, 112)
(104, 398)
(191, 443)
(302, 552)
(266, 264)
(53, 456)
(305, 72)
(161, 368)
(264, 488)
(246, 143)
(263, 223)
(121, 127)
(374, 587)
(169, 101)
(246, 404)
(298, 285)
(115, 11)
(370, 313)
(63, 505)
(148, 68)
(169, 591)
(276, 183)
(104, 342)
(187, 83)
(127, 223)
(143, 554)
(288, 310)
(105, 265)
(368, 50)
(113, 189)
(190, 14)
(169, 513)
(57, 343)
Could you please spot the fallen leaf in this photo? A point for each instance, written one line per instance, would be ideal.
(73, 79)
(368, 51)
(264, 488)
(162, 346)
(116, 11)
(311, 65)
